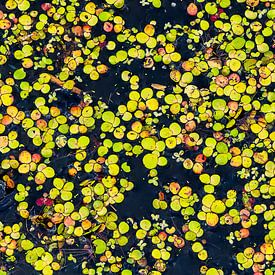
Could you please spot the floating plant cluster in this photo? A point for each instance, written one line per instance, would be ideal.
(67, 157)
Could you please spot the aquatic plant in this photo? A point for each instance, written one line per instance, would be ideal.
(68, 156)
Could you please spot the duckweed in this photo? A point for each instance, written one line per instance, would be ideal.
(194, 121)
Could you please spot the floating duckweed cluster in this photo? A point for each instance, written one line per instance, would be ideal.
(68, 158)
